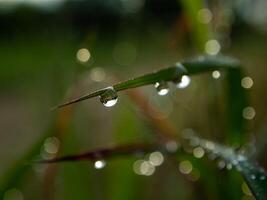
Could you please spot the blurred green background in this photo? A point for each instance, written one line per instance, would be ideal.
(54, 50)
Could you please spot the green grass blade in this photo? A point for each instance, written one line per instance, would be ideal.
(254, 175)
(192, 66)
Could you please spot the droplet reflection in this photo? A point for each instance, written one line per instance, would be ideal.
(162, 88)
(249, 113)
(109, 98)
(184, 82)
(156, 158)
(185, 167)
(99, 164)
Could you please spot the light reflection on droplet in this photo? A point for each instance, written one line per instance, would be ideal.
(109, 98)
(13, 194)
(221, 164)
(51, 145)
(209, 145)
(198, 152)
(229, 166)
(253, 177)
(171, 146)
(185, 167)
(146, 168)
(156, 158)
(162, 88)
(216, 74)
(247, 82)
(184, 82)
(212, 47)
(136, 166)
(97, 74)
(204, 16)
(83, 55)
(99, 164)
(249, 113)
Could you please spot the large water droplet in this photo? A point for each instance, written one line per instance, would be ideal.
(162, 88)
(183, 82)
(109, 98)
(99, 164)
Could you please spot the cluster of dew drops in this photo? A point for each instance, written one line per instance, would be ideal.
(110, 97)
(228, 157)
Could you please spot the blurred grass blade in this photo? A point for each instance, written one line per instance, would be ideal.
(104, 153)
(193, 66)
(237, 101)
(254, 175)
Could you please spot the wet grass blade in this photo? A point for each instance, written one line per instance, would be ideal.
(104, 153)
(190, 67)
(254, 175)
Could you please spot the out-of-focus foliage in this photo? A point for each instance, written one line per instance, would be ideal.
(53, 51)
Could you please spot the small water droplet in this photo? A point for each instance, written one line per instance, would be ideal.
(229, 166)
(99, 164)
(221, 164)
(156, 158)
(109, 97)
(162, 88)
(216, 74)
(262, 177)
(253, 177)
(171, 146)
(183, 82)
(234, 162)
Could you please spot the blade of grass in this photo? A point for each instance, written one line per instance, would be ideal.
(254, 175)
(193, 66)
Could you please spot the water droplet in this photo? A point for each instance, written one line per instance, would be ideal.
(249, 112)
(183, 82)
(146, 168)
(83, 55)
(204, 16)
(109, 97)
(241, 158)
(210, 145)
(171, 146)
(185, 167)
(229, 166)
(216, 74)
(99, 164)
(262, 177)
(198, 152)
(156, 158)
(247, 82)
(221, 164)
(253, 177)
(162, 88)
(212, 47)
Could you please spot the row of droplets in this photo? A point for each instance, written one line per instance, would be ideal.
(110, 97)
(229, 158)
